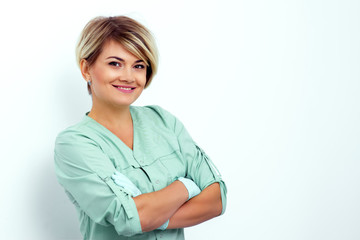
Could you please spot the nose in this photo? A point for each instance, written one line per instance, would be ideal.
(127, 75)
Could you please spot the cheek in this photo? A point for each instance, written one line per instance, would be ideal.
(101, 75)
(141, 80)
(96, 75)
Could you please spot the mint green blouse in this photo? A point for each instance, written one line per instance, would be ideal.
(87, 154)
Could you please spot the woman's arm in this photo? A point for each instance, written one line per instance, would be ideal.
(156, 208)
(211, 202)
(201, 208)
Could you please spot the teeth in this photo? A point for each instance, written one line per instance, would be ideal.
(124, 88)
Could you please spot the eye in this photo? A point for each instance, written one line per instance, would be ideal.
(140, 66)
(115, 64)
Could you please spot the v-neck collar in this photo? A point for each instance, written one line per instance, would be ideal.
(116, 138)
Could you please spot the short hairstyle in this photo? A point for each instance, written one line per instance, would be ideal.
(135, 38)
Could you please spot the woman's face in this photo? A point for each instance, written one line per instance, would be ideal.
(117, 76)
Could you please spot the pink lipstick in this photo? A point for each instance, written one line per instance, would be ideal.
(124, 89)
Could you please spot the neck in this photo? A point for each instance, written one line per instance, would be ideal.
(111, 117)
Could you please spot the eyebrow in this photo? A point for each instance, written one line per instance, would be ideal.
(122, 60)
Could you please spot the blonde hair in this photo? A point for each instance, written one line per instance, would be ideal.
(136, 38)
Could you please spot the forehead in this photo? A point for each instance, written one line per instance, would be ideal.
(116, 49)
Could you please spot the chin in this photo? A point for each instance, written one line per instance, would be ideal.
(124, 102)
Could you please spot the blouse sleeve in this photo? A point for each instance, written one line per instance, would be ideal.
(85, 172)
(200, 168)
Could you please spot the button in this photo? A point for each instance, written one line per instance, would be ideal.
(157, 181)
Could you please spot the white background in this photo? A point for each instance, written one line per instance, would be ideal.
(270, 89)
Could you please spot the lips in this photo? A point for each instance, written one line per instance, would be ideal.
(124, 89)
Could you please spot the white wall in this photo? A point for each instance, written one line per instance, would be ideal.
(270, 89)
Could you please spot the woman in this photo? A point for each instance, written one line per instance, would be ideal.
(132, 172)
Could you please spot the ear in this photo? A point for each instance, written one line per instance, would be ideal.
(84, 68)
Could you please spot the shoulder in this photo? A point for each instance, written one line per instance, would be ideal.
(159, 117)
(153, 111)
(77, 132)
(156, 114)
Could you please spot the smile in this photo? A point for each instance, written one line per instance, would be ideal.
(125, 89)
